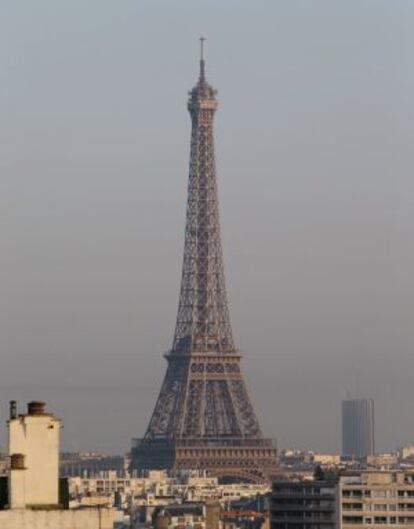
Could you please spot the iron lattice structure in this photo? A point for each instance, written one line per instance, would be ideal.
(203, 418)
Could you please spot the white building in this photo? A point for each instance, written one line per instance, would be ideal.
(33, 480)
(34, 449)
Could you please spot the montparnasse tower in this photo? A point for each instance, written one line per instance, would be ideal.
(203, 418)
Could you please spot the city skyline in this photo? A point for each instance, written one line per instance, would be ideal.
(315, 137)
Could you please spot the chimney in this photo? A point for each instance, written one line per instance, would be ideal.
(13, 409)
(36, 408)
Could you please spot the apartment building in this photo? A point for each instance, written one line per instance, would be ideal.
(311, 504)
(370, 499)
(357, 500)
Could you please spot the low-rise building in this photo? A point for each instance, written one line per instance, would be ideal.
(182, 516)
(406, 452)
(382, 461)
(90, 464)
(327, 459)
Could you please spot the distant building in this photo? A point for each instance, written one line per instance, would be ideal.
(358, 428)
(382, 461)
(327, 459)
(197, 516)
(406, 452)
(89, 464)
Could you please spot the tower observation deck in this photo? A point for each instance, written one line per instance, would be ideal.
(203, 418)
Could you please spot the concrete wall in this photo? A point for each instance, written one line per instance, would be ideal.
(55, 519)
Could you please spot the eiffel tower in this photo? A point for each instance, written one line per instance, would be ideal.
(203, 418)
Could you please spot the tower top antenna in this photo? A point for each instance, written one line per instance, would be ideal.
(202, 63)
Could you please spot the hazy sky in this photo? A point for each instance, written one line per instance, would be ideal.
(314, 144)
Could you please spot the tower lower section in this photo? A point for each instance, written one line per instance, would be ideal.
(204, 420)
(253, 460)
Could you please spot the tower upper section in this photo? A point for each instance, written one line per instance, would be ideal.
(203, 322)
(202, 96)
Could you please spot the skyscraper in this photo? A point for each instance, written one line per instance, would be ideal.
(358, 428)
(203, 418)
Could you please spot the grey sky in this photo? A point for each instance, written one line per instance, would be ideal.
(314, 144)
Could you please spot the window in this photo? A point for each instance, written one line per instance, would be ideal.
(379, 493)
(324, 504)
(350, 506)
(352, 519)
(327, 490)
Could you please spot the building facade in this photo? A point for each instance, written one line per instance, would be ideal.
(372, 499)
(358, 428)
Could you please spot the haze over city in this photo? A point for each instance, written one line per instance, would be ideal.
(314, 138)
